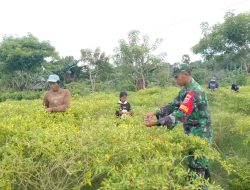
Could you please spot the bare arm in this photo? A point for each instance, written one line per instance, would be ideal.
(45, 101)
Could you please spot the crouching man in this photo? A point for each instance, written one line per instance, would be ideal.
(191, 108)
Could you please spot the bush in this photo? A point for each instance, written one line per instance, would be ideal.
(20, 95)
(236, 76)
(202, 76)
(88, 146)
(232, 136)
(78, 88)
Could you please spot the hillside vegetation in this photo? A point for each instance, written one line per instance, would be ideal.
(89, 148)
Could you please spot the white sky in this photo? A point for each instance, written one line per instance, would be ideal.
(71, 25)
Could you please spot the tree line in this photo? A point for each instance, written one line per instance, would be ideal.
(25, 62)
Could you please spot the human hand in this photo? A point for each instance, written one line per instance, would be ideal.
(149, 122)
(150, 115)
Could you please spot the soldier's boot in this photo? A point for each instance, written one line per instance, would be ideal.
(201, 172)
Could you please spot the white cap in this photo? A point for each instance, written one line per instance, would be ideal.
(53, 78)
(213, 79)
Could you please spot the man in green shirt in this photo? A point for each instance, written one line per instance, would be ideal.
(191, 108)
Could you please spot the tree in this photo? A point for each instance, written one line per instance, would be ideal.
(25, 53)
(227, 43)
(21, 60)
(205, 28)
(136, 56)
(67, 68)
(161, 76)
(95, 62)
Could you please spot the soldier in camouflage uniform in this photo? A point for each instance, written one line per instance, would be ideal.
(191, 108)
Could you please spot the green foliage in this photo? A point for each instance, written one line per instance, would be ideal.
(21, 80)
(231, 128)
(25, 53)
(121, 80)
(78, 88)
(136, 57)
(235, 76)
(67, 68)
(203, 74)
(230, 36)
(21, 60)
(240, 178)
(23, 95)
(96, 64)
(88, 146)
(226, 45)
(161, 76)
(91, 131)
(248, 80)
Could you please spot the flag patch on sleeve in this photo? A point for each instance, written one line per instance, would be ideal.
(187, 105)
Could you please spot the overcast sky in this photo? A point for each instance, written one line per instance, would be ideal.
(71, 25)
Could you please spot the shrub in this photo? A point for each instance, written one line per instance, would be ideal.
(78, 88)
(88, 146)
(20, 95)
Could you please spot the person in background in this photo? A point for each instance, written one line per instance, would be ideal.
(213, 84)
(124, 108)
(57, 99)
(235, 88)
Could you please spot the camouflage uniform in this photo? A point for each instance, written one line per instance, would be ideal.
(191, 108)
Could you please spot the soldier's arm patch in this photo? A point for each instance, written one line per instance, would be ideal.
(187, 105)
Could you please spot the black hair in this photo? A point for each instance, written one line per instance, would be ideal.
(58, 82)
(123, 94)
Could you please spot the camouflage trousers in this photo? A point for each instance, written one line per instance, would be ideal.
(198, 165)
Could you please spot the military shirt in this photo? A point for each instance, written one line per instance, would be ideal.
(189, 107)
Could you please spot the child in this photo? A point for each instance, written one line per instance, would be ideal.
(234, 88)
(124, 106)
